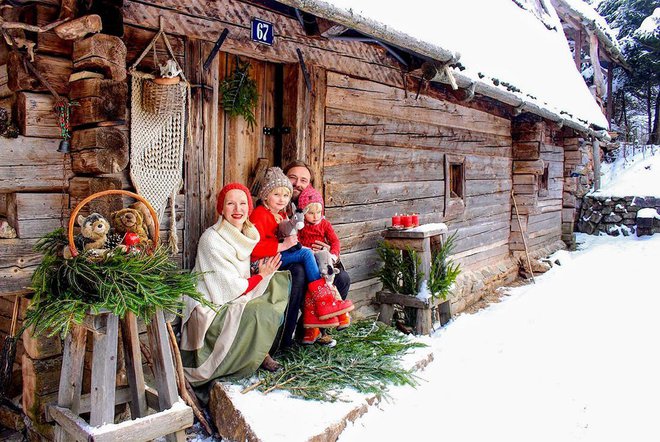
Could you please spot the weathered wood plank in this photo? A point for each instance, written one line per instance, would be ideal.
(35, 214)
(104, 367)
(55, 70)
(353, 214)
(369, 173)
(316, 125)
(342, 194)
(35, 116)
(27, 151)
(40, 178)
(361, 265)
(347, 126)
(341, 154)
(4, 82)
(133, 357)
(364, 96)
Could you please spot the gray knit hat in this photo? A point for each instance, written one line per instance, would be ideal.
(273, 179)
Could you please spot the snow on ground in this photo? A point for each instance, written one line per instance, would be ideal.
(572, 358)
(636, 174)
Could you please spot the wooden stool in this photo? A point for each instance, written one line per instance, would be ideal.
(423, 240)
(172, 416)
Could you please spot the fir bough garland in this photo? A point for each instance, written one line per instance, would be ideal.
(239, 93)
(66, 290)
(366, 358)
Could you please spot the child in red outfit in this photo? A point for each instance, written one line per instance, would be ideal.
(317, 228)
(321, 309)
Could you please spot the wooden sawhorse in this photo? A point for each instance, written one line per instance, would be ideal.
(172, 416)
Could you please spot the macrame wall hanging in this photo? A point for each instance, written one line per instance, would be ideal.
(158, 130)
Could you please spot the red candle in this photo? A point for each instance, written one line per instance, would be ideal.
(396, 220)
(406, 220)
(415, 219)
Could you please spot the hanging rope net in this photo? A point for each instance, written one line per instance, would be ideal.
(157, 144)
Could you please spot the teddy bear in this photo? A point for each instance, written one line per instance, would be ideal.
(129, 220)
(93, 235)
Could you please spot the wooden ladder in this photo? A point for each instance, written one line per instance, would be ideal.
(171, 416)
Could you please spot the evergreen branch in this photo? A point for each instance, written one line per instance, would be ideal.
(366, 358)
(66, 290)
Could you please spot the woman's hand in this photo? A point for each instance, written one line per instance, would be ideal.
(268, 266)
(288, 242)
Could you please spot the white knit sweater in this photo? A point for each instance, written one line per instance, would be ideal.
(223, 256)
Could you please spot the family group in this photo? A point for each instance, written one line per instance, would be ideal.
(259, 281)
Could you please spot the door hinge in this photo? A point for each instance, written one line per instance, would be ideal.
(281, 130)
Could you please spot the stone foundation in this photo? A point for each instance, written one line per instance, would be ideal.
(473, 284)
(615, 215)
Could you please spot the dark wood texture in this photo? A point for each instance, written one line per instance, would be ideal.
(55, 70)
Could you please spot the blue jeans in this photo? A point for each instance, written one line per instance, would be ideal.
(305, 257)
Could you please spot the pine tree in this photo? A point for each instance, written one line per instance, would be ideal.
(640, 87)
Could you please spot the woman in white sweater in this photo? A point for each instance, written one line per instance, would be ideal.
(234, 339)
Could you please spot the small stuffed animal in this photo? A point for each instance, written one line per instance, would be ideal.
(130, 221)
(292, 225)
(93, 235)
(147, 220)
(325, 262)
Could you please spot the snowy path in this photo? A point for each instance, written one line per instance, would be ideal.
(574, 358)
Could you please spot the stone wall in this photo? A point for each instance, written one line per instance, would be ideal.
(613, 215)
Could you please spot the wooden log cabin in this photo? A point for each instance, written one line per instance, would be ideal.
(387, 113)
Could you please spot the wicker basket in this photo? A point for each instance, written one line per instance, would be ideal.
(74, 214)
(163, 99)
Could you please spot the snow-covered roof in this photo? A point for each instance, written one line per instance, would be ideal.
(512, 50)
(593, 21)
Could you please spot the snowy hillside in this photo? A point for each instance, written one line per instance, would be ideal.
(637, 173)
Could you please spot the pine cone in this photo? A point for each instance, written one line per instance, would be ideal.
(11, 132)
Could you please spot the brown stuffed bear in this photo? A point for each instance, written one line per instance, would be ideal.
(130, 220)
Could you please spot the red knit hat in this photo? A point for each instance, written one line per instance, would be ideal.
(309, 195)
(233, 186)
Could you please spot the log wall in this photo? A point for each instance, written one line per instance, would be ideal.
(384, 152)
(537, 150)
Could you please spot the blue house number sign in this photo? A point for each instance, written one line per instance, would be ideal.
(262, 31)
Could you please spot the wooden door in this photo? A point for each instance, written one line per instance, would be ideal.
(223, 149)
(240, 143)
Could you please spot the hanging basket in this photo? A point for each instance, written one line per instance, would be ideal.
(163, 99)
(74, 214)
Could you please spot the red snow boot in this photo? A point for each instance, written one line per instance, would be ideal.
(344, 321)
(310, 317)
(325, 304)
